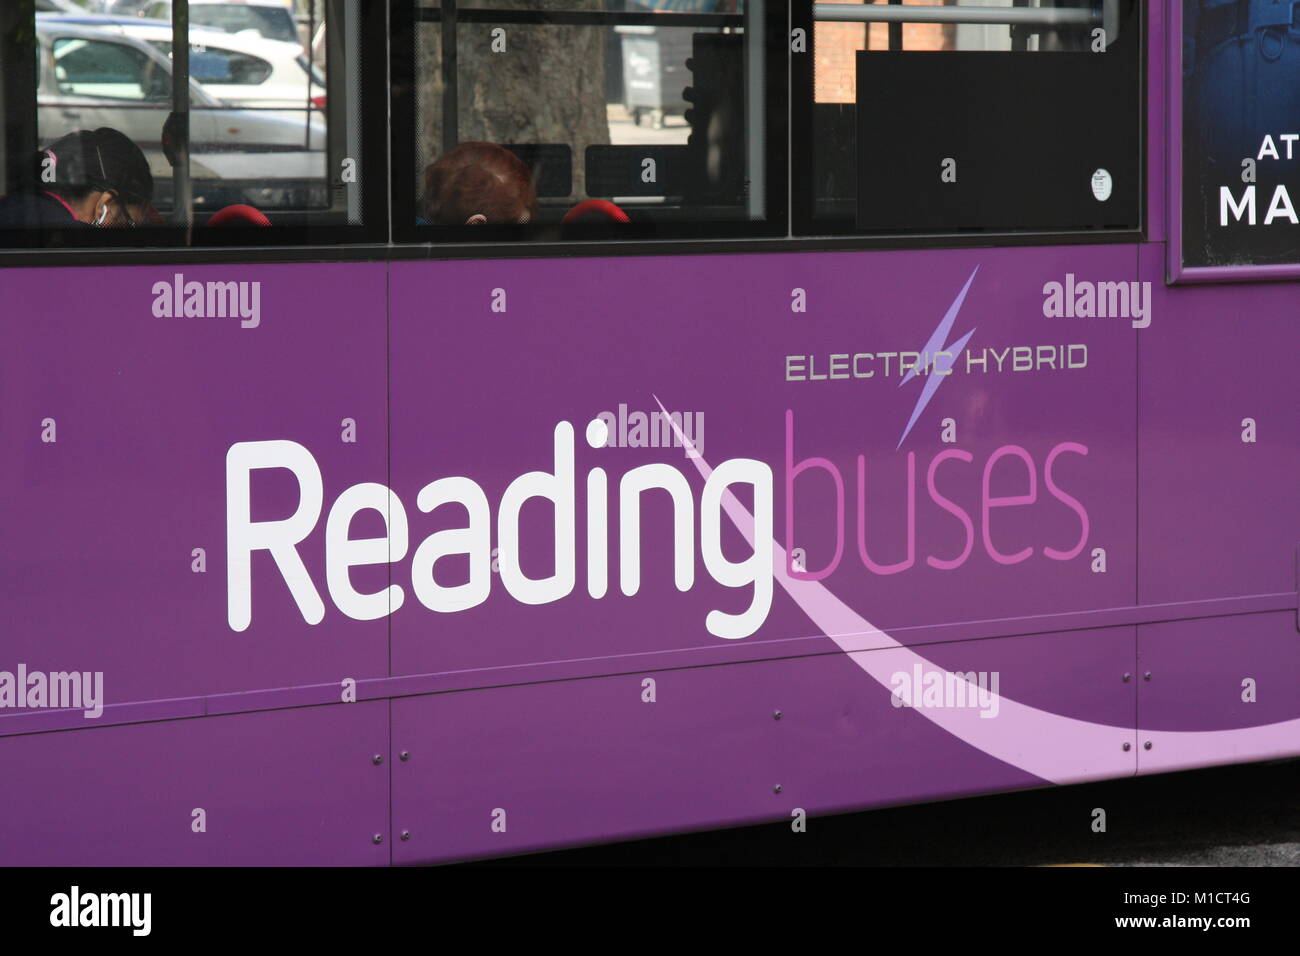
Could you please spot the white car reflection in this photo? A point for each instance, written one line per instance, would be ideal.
(241, 69)
(91, 77)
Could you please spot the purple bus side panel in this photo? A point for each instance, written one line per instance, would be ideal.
(478, 392)
(286, 787)
(1144, 437)
(1218, 516)
(568, 342)
(96, 573)
(1211, 677)
(575, 761)
(1198, 668)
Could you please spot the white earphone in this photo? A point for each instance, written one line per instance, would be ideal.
(103, 211)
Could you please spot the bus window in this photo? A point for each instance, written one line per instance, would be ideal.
(925, 117)
(663, 110)
(269, 131)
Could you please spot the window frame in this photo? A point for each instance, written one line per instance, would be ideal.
(70, 246)
(437, 239)
(1177, 271)
(802, 162)
(377, 240)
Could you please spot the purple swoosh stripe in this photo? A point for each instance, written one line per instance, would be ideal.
(1056, 748)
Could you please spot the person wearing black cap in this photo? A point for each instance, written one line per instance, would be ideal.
(86, 178)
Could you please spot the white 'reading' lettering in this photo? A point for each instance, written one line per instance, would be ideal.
(286, 538)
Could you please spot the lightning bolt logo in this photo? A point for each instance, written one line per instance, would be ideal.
(942, 363)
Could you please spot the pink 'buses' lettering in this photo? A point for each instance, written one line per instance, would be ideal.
(911, 519)
(1011, 501)
(1071, 502)
(791, 473)
(952, 508)
(989, 501)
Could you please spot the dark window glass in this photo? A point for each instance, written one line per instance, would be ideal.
(974, 116)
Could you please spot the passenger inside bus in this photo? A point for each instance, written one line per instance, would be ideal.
(86, 178)
(478, 183)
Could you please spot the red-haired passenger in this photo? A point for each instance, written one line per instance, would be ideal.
(478, 183)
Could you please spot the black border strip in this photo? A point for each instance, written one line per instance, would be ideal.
(593, 248)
